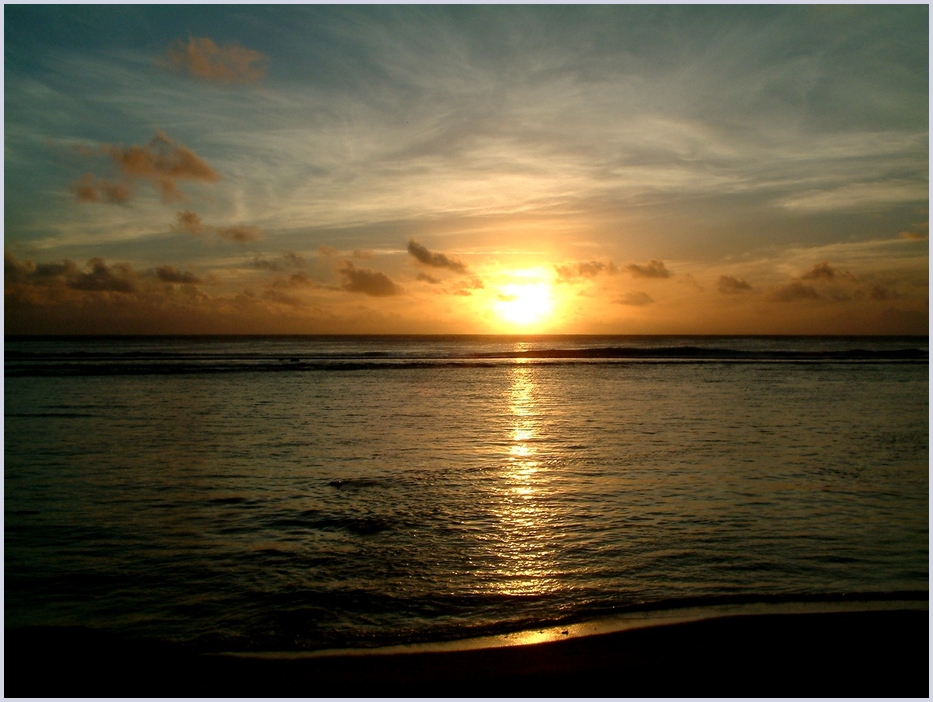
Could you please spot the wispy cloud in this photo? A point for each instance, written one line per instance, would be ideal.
(570, 127)
(858, 196)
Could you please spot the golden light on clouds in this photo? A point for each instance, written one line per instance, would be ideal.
(557, 206)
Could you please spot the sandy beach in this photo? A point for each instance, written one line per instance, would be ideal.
(855, 653)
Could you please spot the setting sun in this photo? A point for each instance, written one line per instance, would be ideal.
(525, 303)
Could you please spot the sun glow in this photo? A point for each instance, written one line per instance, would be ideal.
(525, 303)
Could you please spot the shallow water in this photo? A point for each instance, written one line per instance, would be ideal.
(381, 491)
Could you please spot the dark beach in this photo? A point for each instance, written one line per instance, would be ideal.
(838, 654)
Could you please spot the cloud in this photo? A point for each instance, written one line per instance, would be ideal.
(465, 288)
(15, 271)
(163, 162)
(794, 292)
(104, 278)
(282, 298)
(288, 259)
(912, 236)
(362, 254)
(858, 196)
(299, 280)
(368, 282)
(434, 259)
(729, 285)
(202, 58)
(724, 127)
(652, 269)
(240, 234)
(62, 297)
(91, 189)
(824, 273)
(635, 299)
(428, 279)
(189, 222)
(584, 269)
(96, 277)
(169, 274)
(820, 271)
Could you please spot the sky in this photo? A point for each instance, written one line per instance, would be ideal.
(454, 169)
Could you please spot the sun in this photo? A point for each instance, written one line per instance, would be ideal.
(525, 304)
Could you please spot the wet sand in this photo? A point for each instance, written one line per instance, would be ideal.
(848, 654)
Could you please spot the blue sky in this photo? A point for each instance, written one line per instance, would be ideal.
(266, 169)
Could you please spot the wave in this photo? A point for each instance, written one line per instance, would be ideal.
(20, 363)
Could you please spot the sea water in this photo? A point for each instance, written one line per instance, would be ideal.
(273, 493)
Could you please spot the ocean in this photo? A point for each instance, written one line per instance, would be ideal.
(307, 493)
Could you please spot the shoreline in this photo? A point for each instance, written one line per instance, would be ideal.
(614, 624)
(881, 649)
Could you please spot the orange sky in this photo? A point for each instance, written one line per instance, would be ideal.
(466, 170)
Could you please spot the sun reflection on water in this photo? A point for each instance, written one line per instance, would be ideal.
(526, 546)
